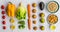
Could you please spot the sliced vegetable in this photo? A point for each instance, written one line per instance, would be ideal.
(21, 26)
(21, 22)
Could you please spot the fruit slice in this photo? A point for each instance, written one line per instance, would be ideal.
(3, 22)
(4, 27)
(52, 27)
(12, 27)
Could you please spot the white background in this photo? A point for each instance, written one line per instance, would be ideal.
(25, 2)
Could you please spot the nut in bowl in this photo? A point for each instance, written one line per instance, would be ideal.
(52, 19)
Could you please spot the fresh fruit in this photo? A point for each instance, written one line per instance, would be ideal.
(34, 4)
(34, 10)
(34, 16)
(3, 12)
(11, 9)
(21, 22)
(12, 21)
(21, 12)
(34, 22)
(12, 27)
(4, 27)
(3, 22)
(41, 14)
(41, 5)
(52, 27)
(42, 27)
(21, 26)
(3, 17)
(53, 6)
(52, 19)
(35, 28)
(42, 20)
(2, 6)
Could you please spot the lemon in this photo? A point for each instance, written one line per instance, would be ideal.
(52, 27)
(12, 27)
(12, 21)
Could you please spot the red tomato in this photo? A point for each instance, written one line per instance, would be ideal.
(2, 7)
(4, 27)
(3, 22)
(3, 17)
(3, 12)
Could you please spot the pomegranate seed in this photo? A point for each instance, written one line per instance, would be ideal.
(2, 7)
(3, 12)
(4, 27)
(3, 17)
(3, 22)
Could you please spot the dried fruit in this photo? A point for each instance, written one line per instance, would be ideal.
(12, 21)
(41, 14)
(12, 27)
(42, 20)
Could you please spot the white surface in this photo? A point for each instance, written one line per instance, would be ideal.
(25, 2)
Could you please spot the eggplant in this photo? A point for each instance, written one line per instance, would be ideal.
(41, 5)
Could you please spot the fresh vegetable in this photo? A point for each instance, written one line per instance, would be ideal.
(34, 16)
(3, 22)
(21, 26)
(29, 24)
(29, 10)
(34, 4)
(12, 27)
(52, 27)
(21, 12)
(4, 27)
(35, 28)
(3, 12)
(21, 22)
(42, 20)
(12, 21)
(3, 17)
(42, 28)
(2, 6)
(53, 6)
(41, 14)
(34, 10)
(41, 5)
(29, 15)
(11, 9)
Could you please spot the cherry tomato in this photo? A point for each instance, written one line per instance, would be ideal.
(3, 17)
(4, 27)
(3, 22)
(2, 7)
(3, 12)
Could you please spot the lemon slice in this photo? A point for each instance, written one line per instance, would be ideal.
(12, 27)
(52, 27)
(12, 21)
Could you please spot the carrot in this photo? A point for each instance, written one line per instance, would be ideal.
(29, 24)
(29, 21)
(28, 8)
